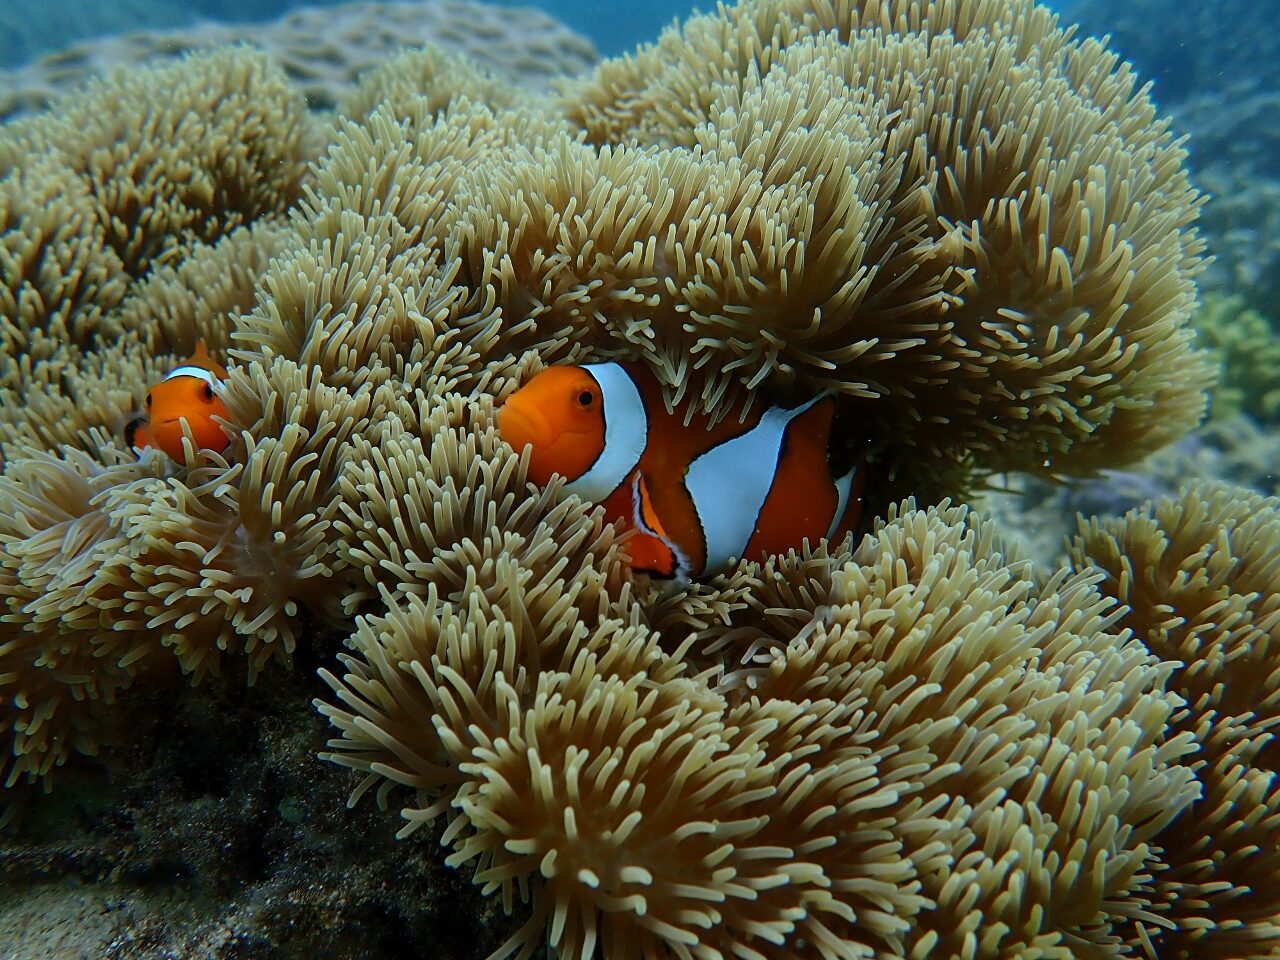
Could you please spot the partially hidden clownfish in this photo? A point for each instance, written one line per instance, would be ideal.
(699, 494)
(188, 392)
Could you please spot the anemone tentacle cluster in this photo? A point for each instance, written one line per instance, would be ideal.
(972, 228)
(1199, 575)
(836, 774)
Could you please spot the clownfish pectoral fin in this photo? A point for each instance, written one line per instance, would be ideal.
(137, 435)
(646, 517)
(652, 549)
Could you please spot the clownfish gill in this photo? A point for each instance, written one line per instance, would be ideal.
(188, 393)
(698, 495)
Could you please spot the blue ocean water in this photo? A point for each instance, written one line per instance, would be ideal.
(617, 27)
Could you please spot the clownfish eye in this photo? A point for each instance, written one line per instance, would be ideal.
(586, 398)
(206, 392)
(148, 398)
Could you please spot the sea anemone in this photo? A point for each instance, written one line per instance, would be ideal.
(847, 777)
(1199, 575)
(970, 228)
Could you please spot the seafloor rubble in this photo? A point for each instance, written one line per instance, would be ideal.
(972, 229)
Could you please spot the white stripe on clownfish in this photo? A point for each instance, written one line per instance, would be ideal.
(750, 462)
(200, 373)
(626, 433)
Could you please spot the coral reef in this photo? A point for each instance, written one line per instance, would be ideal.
(1040, 515)
(1199, 575)
(1234, 41)
(1217, 71)
(33, 28)
(49, 30)
(324, 50)
(1247, 345)
(841, 763)
(971, 228)
(1242, 220)
(1239, 443)
(29, 28)
(918, 288)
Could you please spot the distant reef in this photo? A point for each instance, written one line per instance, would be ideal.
(1216, 70)
(322, 50)
(32, 28)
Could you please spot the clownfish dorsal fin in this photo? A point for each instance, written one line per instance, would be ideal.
(203, 358)
(200, 365)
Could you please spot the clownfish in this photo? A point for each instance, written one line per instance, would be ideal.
(187, 393)
(699, 494)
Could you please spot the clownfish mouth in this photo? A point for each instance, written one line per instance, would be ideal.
(521, 427)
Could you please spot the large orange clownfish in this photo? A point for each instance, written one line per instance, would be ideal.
(188, 392)
(698, 495)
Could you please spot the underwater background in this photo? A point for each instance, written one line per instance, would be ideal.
(352, 688)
